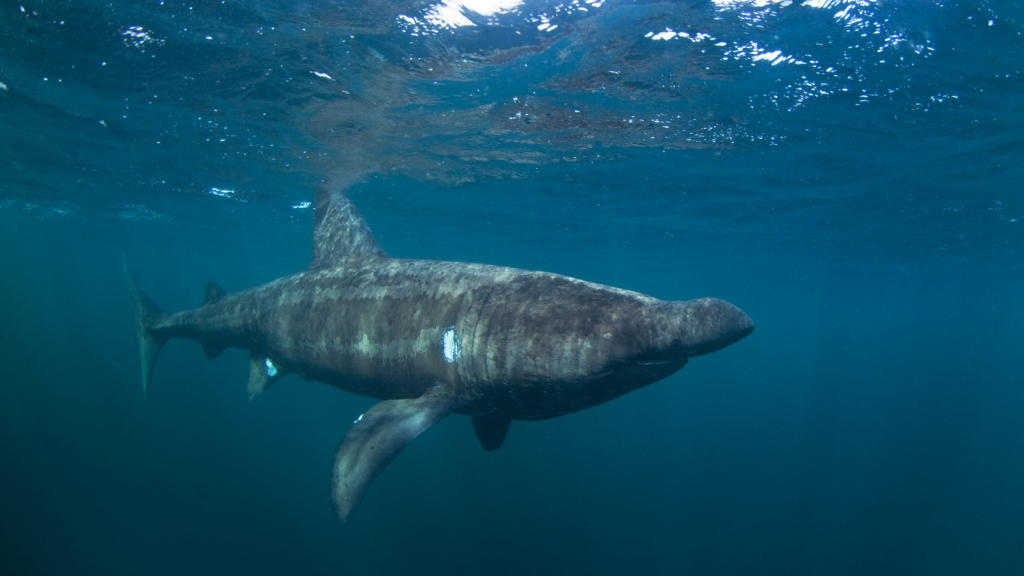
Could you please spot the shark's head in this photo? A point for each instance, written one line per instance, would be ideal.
(614, 345)
(661, 341)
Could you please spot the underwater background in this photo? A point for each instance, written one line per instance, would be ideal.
(848, 172)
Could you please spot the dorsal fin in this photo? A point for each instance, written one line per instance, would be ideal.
(341, 235)
(213, 293)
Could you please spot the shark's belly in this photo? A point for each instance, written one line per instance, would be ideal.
(550, 398)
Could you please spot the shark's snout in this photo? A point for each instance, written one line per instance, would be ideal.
(717, 324)
(709, 324)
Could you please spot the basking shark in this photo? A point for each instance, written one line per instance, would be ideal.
(432, 338)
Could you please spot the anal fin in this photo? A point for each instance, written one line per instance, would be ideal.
(491, 430)
(376, 438)
(262, 373)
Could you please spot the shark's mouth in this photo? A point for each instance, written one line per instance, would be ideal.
(656, 362)
(659, 364)
(661, 358)
(641, 372)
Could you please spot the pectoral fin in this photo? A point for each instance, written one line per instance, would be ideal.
(377, 437)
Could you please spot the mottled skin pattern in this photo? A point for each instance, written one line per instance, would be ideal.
(429, 338)
(533, 345)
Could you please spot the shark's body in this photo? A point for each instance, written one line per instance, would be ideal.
(430, 338)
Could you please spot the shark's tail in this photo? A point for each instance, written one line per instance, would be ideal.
(147, 314)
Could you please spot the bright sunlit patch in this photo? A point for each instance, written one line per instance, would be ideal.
(452, 13)
(824, 3)
(774, 57)
(302, 205)
(750, 3)
(271, 369)
(139, 37)
(853, 14)
(756, 53)
(321, 75)
(669, 34)
(222, 192)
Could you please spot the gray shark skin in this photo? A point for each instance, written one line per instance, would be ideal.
(431, 338)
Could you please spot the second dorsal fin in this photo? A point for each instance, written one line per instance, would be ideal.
(341, 236)
(213, 293)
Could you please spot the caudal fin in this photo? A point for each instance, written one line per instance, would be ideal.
(147, 314)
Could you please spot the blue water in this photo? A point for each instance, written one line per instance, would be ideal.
(847, 172)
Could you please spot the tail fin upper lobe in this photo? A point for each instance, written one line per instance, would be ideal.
(147, 315)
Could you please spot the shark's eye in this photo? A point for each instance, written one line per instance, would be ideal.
(450, 345)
